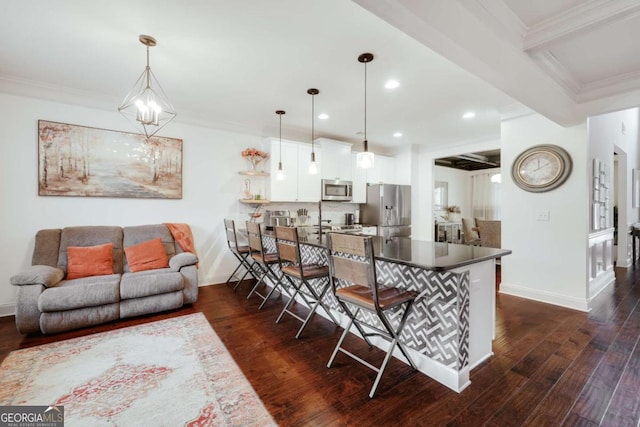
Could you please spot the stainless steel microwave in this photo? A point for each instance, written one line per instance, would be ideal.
(337, 190)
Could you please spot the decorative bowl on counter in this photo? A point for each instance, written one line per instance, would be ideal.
(255, 214)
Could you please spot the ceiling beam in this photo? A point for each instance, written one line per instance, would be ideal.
(582, 18)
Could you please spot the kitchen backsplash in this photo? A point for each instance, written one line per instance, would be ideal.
(333, 211)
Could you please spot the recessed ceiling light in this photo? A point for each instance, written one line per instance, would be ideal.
(323, 116)
(397, 134)
(469, 115)
(391, 84)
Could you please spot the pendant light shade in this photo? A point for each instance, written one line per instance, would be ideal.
(313, 165)
(365, 159)
(146, 105)
(280, 176)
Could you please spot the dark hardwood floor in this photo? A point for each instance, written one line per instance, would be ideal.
(552, 366)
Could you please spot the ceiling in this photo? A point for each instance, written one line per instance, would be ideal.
(565, 59)
(230, 65)
(471, 161)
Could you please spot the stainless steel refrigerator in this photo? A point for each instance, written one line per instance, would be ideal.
(389, 208)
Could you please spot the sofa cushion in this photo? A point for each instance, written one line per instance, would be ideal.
(92, 236)
(79, 293)
(142, 233)
(59, 321)
(46, 249)
(151, 304)
(149, 255)
(89, 261)
(151, 282)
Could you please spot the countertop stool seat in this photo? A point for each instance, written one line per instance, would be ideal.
(300, 276)
(266, 261)
(355, 286)
(241, 252)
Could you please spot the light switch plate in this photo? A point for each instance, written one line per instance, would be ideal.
(542, 215)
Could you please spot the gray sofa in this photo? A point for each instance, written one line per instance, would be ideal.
(48, 303)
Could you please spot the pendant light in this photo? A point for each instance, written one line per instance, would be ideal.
(280, 173)
(365, 159)
(313, 166)
(146, 105)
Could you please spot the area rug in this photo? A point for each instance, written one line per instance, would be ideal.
(173, 372)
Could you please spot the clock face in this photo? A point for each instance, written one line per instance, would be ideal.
(541, 168)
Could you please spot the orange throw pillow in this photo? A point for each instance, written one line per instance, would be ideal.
(85, 261)
(147, 255)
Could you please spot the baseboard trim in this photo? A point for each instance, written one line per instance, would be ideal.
(599, 284)
(7, 310)
(546, 297)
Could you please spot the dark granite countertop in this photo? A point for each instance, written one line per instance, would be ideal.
(419, 253)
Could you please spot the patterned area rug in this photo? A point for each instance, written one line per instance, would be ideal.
(172, 372)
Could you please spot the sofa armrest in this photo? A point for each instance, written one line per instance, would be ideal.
(183, 259)
(38, 275)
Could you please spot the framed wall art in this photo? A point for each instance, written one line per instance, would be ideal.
(84, 161)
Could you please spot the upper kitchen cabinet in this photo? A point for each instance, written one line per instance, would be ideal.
(298, 185)
(336, 159)
(359, 178)
(403, 168)
(383, 171)
(308, 185)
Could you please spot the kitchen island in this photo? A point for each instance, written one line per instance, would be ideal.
(452, 322)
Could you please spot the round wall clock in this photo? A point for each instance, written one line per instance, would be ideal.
(541, 168)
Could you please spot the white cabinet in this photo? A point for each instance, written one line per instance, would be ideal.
(336, 159)
(384, 171)
(359, 178)
(308, 185)
(298, 185)
(403, 169)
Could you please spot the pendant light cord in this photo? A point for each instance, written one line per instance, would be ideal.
(365, 105)
(148, 69)
(280, 138)
(313, 117)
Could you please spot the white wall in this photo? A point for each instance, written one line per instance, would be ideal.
(211, 187)
(549, 259)
(619, 132)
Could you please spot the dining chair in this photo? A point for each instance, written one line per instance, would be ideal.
(241, 252)
(490, 233)
(470, 231)
(355, 286)
(301, 276)
(266, 260)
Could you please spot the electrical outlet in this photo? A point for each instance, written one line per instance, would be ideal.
(542, 215)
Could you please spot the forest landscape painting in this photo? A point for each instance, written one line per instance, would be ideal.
(83, 161)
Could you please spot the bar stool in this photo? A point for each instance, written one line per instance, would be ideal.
(299, 276)
(352, 266)
(265, 260)
(241, 252)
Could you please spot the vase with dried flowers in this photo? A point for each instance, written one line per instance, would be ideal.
(454, 214)
(254, 156)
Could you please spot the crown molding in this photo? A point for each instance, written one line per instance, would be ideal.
(558, 72)
(500, 18)
(610, 86)
(50, 92)
(576, 20)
